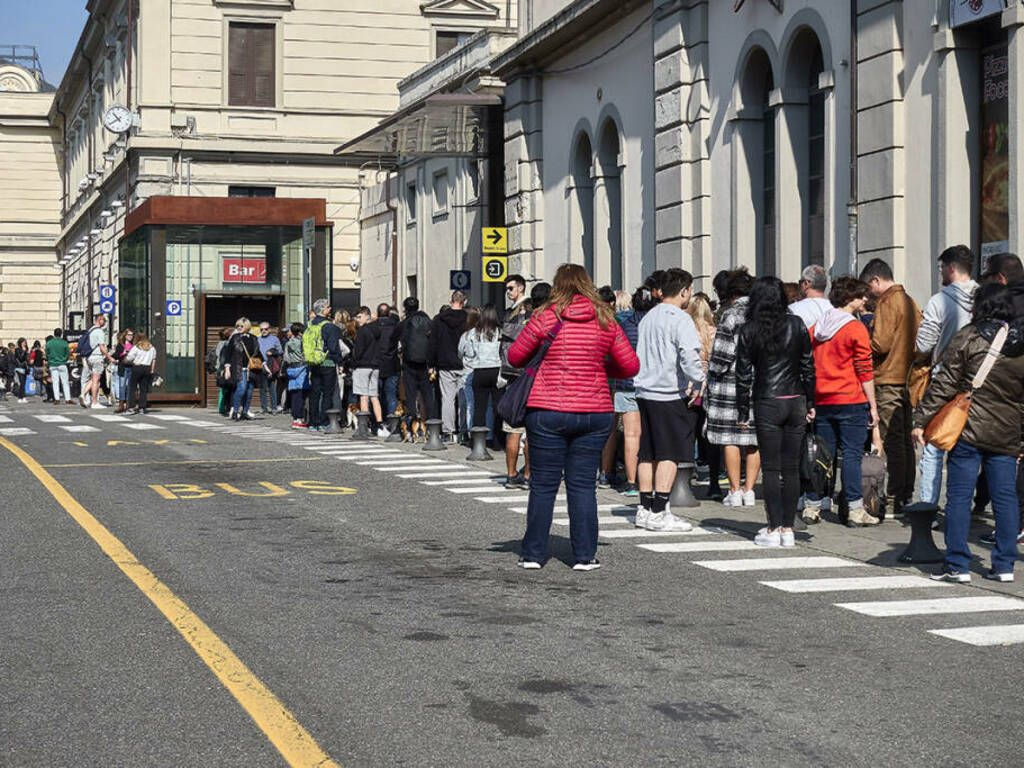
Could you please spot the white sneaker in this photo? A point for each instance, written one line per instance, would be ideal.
(748, 498)
(383, 432)
(733, 499)
(787, 539)
(666, 521)
(768, 539)
(22, 400)
(642, 515)
(97, 405)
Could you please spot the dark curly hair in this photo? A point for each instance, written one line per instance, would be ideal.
(767, 314)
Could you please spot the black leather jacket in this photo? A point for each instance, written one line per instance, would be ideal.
(788, 371)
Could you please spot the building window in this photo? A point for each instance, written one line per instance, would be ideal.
(448, 41)
(440, 193)
(234, 191)
(251, 65)
(410, 203)
(473, 173)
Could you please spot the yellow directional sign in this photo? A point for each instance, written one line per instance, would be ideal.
(495, 240)
(495, 269)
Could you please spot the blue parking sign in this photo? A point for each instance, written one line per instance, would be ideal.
(173, 307)
(108, 299)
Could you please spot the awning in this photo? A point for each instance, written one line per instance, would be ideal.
(443, 125)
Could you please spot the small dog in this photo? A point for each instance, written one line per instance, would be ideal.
(350, 415)
(411, 428)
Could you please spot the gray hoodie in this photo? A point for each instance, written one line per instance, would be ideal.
(946, 313)
(831, 323)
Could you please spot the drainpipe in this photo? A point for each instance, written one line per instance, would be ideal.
(64, 162)
(851, 206)
(394, 240)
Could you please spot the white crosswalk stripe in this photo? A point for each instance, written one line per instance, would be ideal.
(411, 465)
(168, 417)
(1001, 634)
(79, 428)
(493, 488)
(854, 584)
(52, 418)
(107, 417)
(142, 427)
(11, 431)
(777, 563)
(886, 608)
(6, 420)
(563, 508)
(640, 533)
(699, 546)
(437, 475)
(511, 499)
(362, 461)
(461, 479)
(198, 423)
(601, 519)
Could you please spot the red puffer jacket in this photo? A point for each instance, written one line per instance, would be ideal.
(574, 375)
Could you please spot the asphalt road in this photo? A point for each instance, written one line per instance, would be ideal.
(387, 618)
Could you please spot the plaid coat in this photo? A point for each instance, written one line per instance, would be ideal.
(723, 415)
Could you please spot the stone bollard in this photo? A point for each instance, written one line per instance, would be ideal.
(921, 548)
(334, 428)
(682, 494)
(479, 452)
(434, 436)
(362, 426)
(395, 428)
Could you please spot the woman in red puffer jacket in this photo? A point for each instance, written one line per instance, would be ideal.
(570, 409)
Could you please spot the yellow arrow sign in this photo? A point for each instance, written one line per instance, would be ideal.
(495, 240)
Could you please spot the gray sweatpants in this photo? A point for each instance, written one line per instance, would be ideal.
(451, 390)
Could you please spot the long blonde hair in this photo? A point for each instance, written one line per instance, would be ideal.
(142, 341)
(572, 280)
(700, 310)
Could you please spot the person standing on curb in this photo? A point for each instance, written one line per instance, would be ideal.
(893, 333)
(58, 352)
(944, 315)
(365, 362)
(670, 380)
(270, 345)
(449, 325)
(814, 304)
(387, 325)
(297, 375)
(142, 358)
(95, 363)
(243, 354)
(414, 337)
(323, 352)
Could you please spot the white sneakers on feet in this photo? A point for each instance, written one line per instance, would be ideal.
(383, 432)
(748, 498)
(768, 539)
(666, 521)
(97, 405)
(642, 514)
(787, 539)
(733, 499)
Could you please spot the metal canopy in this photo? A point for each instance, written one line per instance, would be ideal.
(443, 125)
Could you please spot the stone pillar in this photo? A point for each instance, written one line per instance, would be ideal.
(682, 127)
(524, 191)
(881, 174)
(791, 186)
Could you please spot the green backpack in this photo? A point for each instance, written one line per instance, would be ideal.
(313, 348)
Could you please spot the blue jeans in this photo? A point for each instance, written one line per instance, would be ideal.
(964, 463)
(243, 393)
(568, 443)
(268, 392)
(389, 393)
(930, 469)
(847, 426)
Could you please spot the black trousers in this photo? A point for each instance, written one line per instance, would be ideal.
(142, 378)
(323, 384)
(485, 389)
(417, 381)
(780, 425)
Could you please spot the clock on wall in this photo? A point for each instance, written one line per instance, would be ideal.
(118, 119)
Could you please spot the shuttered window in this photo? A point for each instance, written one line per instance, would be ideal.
(251, 59)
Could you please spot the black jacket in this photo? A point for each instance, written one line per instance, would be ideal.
(995, 421)
(414, 332)
(788, 371)
(366, 351)
(387, 328)
(449, 325)
(240, 347)
(1017, 289)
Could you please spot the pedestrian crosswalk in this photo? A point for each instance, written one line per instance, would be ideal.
(712, 548)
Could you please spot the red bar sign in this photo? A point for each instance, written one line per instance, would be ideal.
(245, 270)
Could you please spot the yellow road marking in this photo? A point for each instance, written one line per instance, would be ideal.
(294, 743)
(182, 461)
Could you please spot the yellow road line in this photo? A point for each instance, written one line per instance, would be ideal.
(181, 461)
(280, 726)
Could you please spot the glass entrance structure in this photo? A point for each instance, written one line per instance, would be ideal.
(185, 269)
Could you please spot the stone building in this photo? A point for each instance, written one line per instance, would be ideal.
(195, 137)
(642, 134)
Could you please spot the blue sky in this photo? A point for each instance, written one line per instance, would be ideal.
(53, 26)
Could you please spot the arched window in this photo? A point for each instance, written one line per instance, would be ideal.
(610, 208)
(755, 203)
(582, 234)
(766, 242)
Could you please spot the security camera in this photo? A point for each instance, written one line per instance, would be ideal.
(353, 263)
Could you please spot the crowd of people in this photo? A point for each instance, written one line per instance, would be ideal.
(633, 386)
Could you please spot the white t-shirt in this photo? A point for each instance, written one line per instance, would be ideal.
(139, 356)
(97, 336)
(810, 310)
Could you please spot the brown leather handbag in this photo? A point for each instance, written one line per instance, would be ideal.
(945, 427)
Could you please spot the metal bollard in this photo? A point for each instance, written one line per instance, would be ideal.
(434, 436)
(395, 428)
(479, 452)
(334, 428)
(682, 493)
(921, 548)
(362, 426)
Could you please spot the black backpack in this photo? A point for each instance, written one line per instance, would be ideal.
(212, 362)
(817, 465)
(416, 339)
